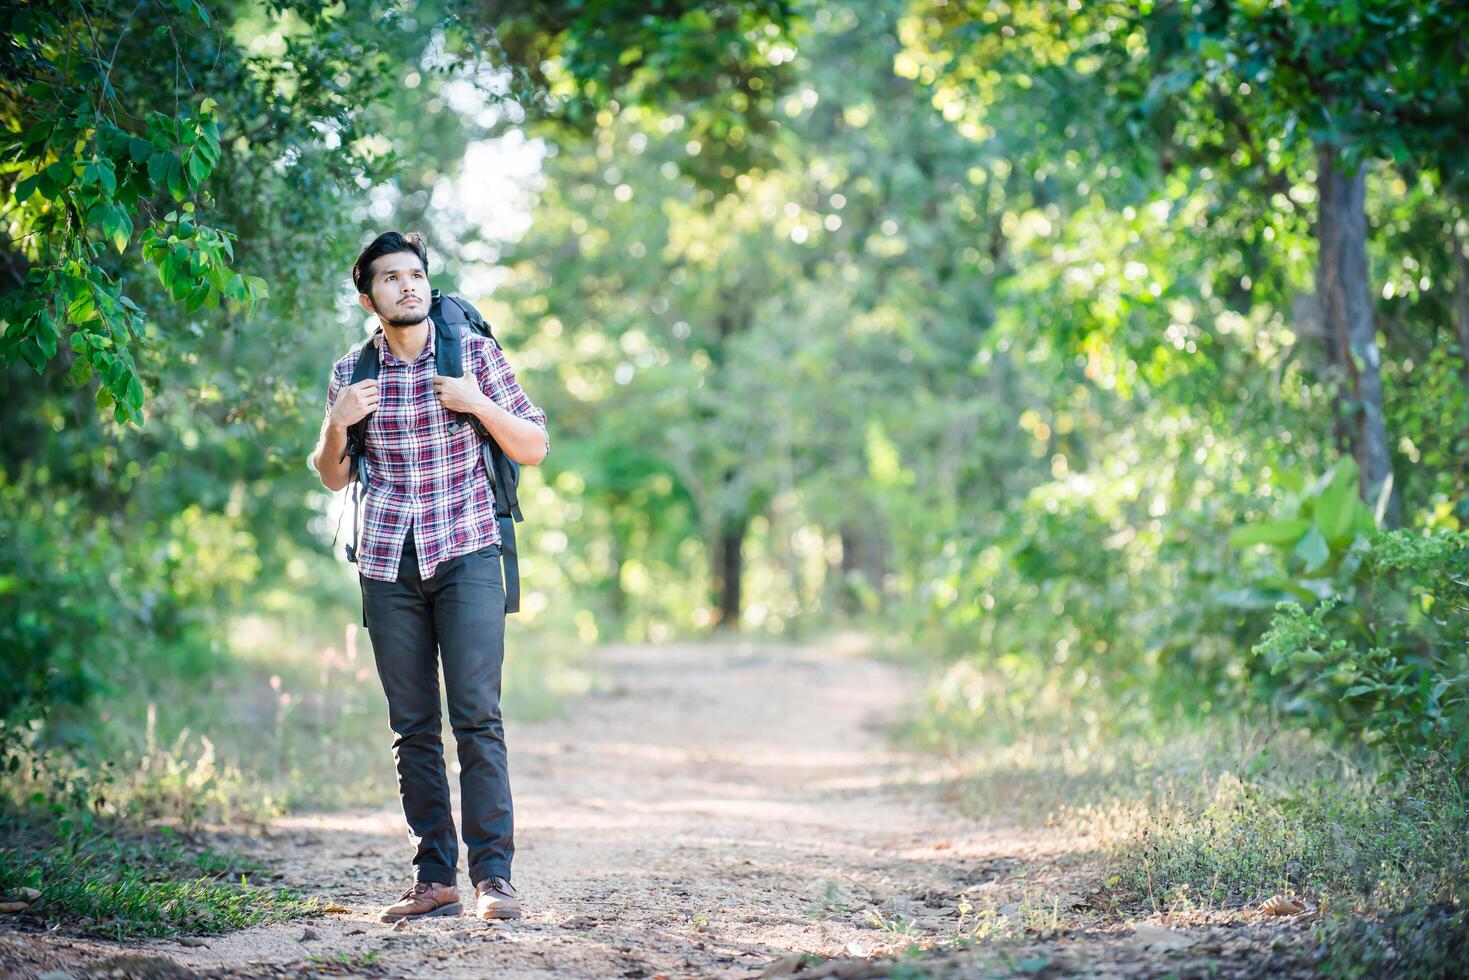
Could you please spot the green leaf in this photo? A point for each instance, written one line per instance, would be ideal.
(1275, 533)
(1313, 549)
(158, 167)
(81, 371)
(1335, 511)
(26, 188)
(176, 185)
(198, 168)
(46, 336)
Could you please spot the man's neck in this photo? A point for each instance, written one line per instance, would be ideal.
(406, 343)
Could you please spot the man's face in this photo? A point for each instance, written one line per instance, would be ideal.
(400, 290)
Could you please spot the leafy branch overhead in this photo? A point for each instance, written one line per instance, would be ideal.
(105, 178)
(88, 178)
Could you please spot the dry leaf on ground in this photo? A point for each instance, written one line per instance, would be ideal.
(14, 906)
(1283, 905)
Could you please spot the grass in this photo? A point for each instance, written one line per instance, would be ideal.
(830, 902)
(1215, 815)
(251, 740)
(1385, 861)
(348, 961)
(87, 808)
(140, 885)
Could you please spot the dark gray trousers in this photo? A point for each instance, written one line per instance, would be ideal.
(457, 615)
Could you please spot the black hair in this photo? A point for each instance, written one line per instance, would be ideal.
(386, 244)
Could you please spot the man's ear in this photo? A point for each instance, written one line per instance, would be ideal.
(366, 302)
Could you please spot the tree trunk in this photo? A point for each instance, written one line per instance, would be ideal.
(1461, 300)
(1346, 307)
(864, 561)
(728, 569)
(851, 598)
(619, 595)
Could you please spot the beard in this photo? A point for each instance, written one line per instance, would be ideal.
(406, 320)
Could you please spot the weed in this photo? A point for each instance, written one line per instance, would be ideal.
(124, 888)
(347, 961)
(830, 902)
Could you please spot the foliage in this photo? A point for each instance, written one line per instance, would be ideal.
(1316, 532)
(1384, 660)
(1382, 859)
(124, 889)
(991, 327)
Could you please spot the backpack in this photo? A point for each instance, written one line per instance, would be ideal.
(451, 316)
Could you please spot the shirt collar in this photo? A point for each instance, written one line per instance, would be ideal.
(382, 344)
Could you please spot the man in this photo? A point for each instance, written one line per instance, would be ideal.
(429, 565)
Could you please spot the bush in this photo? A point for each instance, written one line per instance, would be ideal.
(1384, 660)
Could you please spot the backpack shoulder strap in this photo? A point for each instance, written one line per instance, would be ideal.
(366, 369)
(449, 323)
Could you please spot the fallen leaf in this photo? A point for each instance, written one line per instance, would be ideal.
(855, 948)
(192, 942)
(335, 909)
(29, 894)
(1283, 905)
(14, 906)
(1158, 938)
(401, 925)
(356, 932)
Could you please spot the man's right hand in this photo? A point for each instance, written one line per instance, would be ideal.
(355, 403)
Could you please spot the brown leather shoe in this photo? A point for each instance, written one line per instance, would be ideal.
(424, 898)
(495, 898)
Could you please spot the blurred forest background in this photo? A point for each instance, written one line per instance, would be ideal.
(1107, 360)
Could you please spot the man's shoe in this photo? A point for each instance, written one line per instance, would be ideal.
(495, 898)
(424, 898)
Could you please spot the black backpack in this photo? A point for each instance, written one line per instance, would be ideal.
(451, 315)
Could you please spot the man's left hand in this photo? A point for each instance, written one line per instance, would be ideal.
(458, 394)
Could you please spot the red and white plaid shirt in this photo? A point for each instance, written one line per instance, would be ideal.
(423, 472)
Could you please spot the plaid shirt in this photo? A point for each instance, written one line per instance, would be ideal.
(422, 472)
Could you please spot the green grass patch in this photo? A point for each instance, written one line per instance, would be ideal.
(1384, 859)
(1219, 812)
(141, 885)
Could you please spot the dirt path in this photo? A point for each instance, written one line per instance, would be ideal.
(712, 811)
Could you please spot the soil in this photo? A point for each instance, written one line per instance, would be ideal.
(713, 811)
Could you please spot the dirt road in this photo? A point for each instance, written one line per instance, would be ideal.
(709, 811)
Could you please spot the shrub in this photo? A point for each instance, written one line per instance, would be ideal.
(1384, 659)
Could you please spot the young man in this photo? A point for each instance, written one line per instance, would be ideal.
(428, 561)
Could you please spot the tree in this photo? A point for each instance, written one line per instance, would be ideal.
(1241, 93)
